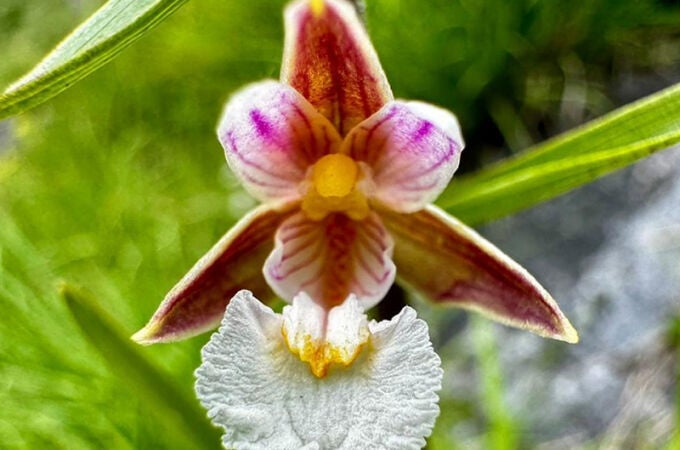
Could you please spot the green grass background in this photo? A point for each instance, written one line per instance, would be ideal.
(118, 185)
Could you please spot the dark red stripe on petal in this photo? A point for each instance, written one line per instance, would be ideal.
(329, 59)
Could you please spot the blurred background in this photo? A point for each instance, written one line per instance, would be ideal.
(119, 185)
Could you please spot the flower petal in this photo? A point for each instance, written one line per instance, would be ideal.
(266, 398)
(323, 338)
(412, 150)
(331, 258)
(196, 304)
(451, 265)
(271, 135)
(330, 60)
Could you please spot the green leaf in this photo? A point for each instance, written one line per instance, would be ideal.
(502, 429)
(182, 414)
(96, 41)
(568, 161)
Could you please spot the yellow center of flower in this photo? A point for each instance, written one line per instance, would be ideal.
(334, 175)
(317, 7)
(333, 188)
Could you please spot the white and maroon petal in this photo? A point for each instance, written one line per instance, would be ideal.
(331, 258)
(330, 60)
(412, 149)
(264, 397)
(451, 265)
(196, 304)
(271, 135)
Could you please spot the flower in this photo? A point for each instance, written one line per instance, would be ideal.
(262, 396)
(345, 174)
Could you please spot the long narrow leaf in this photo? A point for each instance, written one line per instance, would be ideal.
(96, 41)
(154, 389)
(502, 433)
(568, 161)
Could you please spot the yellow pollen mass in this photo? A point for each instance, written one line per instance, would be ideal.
(321, 355)
(334, 187)
(334, 175)
(317, 7)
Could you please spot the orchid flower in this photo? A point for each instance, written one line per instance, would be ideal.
(345, 174)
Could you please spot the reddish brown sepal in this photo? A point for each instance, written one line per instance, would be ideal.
(329, 59)
(197, 303)
(451, 265)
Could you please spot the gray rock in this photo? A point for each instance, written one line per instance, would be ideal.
(610, 254)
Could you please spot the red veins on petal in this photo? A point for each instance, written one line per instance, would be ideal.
(329, 59)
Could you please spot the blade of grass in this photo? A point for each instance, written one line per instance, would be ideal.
(502, 433)
(442, 438)
(520, 189)
(184, 416)
(568, 161)
(96, 41)
(675, 343)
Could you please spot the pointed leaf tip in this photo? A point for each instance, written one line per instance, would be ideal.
(145, 336)
(569, 335)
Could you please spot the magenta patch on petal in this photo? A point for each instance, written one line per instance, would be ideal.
(412, 149)
(425, 129)
(271, 136)
(262, 125)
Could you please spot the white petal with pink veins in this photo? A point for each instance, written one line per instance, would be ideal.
(271, 135)
(331, 258)
(412, 150)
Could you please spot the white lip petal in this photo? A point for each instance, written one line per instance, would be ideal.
(266, 398)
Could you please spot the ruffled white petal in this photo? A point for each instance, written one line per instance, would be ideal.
(412, 150)
(266, 398)
(271, 135)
